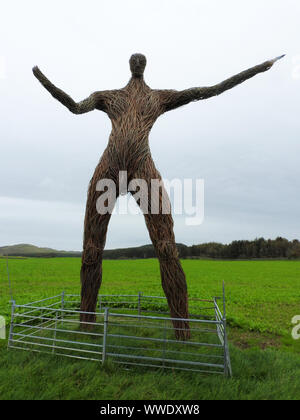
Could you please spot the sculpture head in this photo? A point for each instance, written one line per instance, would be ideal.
(137, 65)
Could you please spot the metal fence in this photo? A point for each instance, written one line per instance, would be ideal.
(129, 330)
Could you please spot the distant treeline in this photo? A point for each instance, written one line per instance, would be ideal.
(258, 248)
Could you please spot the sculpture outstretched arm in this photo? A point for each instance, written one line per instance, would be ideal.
(88, 104)
(179, 98)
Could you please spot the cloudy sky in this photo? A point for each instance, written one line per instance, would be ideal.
(245, 144)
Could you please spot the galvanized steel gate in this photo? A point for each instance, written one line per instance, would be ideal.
(129, 330)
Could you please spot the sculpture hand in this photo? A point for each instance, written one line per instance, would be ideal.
(278, 58)
(37, 72)
(272, 62)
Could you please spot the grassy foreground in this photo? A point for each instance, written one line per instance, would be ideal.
(262, 298)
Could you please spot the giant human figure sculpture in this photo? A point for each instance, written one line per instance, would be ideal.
(133, 110)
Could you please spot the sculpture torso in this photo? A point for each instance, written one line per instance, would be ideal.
(132, 111)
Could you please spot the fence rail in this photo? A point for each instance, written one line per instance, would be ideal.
(134, 339)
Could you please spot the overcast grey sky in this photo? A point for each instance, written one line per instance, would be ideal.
(244, 143)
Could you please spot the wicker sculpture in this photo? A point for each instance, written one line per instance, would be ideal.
(133, 111)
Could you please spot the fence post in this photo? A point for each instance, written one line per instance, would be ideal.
(62, 303)
(99, 303)
(54, 338)
(105, 325)
(227, 364)
(139, 302)
(13, 305)
(165, 342)
(224, 347)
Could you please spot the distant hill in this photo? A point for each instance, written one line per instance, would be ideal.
(28, 250)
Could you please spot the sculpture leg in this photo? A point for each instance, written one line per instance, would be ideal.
(160, 227)
(173, 280)
(95, 229)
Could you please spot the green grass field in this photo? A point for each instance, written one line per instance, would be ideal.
(262, 298)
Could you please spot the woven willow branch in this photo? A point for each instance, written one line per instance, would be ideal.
(133, 110)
